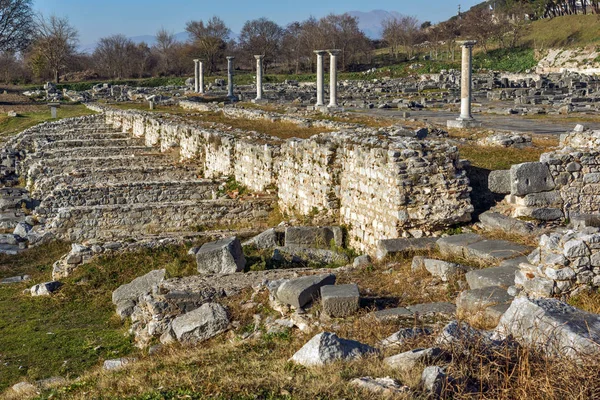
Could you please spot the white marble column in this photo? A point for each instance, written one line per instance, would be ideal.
(259, 77)
(333, 78)
(196, 76)
(201, 77)
(230, 77)
(320, 78)
(465, 120)
(465, 82)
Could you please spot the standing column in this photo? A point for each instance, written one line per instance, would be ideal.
(197, 76)
(465, 82)
(259, 77)
(320, 80)
(201, 76)
(333, 78)
(230, 77)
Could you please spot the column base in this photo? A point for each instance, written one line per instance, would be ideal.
(259, 101)
(233, 99)
(463, 123)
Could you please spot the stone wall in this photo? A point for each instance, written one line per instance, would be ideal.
(565, 184)
(381, 185)
(563, 265)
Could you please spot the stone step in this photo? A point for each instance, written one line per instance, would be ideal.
(473, 246)
(56, 166)
(502, 276)
(489, 303)
(122, 221)
(77, 143)
(128, 193)
(90, 177)
(423, 310)
(97, 151)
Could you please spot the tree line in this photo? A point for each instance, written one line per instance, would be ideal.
(37, 48)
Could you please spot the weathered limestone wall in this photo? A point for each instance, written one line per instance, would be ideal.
(381, 186)
(118, 221)
(389, 193)
(308, 180)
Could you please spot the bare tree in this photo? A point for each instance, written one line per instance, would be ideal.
(402, 32)
(55, 42)
(115, 55)
(210, 39)
(164, 47)
(261, 36)
(342, 32)
(16, 24)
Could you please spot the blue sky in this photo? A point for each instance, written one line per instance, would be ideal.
(95, 19)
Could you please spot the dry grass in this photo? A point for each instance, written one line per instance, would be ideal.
(495, 158)
(279, 129)
(589, 302)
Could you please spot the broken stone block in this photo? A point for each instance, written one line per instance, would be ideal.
(340, 300)
(314, 236)
(389, 247)
(22, 229)
(413, 358)
(200, 324)
(503, 276)
(301, 291)
(15, 279)
(266, 240)
(391, 314)
(488, 303)
(126, 296)
(381, 386)
(495, 221)
(223, 256)
(362, 261)
(457, 245)
(434, 381)
(427, 309)
(443, 269)
(24, 389)
(495, 250)
(404, 335)
(499, 181)
(327, 347)
(552, 326)
(118, 363)
(45, 289)
(530, 177)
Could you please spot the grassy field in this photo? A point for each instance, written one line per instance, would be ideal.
(567, 31)
(74, 330)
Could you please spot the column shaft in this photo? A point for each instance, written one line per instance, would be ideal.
(320, 78)
(333, 78)
(230, 77)
(465, 96)
(259, 77)
(196, 76)
(201, 76)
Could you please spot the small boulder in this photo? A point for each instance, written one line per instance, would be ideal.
(22, 229)
(265, 240)
(434, 381)
(314, 236)
(443, 269)
(404, 335)
(201, 324)
(327, 347)
(24, 389)
(127, 295)
(45, 289)
(118, 363)
(223, 256)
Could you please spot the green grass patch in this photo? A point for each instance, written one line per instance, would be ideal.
(509, 60)
(565, 31)
(77, 328)
(38, 114)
